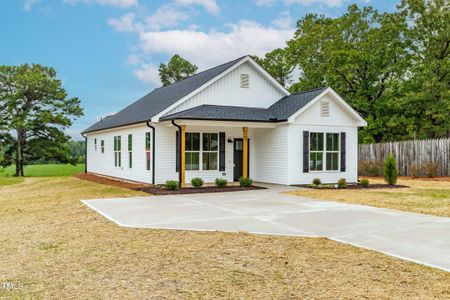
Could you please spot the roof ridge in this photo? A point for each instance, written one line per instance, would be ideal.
(308, 91)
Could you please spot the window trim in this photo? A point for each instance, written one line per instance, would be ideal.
(211, 151)
(194, 151)
(324, 152)
(201, 151)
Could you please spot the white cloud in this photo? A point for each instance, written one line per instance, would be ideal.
(148, 73)
(211, 6)
(165, 16)
(134, 59)
(284, 20)
(115, 3)
(28, 4)
(329, 3)
(126, 23)
(264, 3)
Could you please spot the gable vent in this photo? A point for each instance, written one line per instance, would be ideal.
(245, 81)
(324, 109)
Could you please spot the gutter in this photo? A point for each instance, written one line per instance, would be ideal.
(85, 152)
(153, 152)
(179, 150)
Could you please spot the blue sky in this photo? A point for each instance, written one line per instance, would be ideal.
(107, 51)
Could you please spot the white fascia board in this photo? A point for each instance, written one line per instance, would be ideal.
(361, 122)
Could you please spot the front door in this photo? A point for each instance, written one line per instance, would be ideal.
(238, 153)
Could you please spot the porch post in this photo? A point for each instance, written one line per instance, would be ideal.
(183, 156)
(245, 152)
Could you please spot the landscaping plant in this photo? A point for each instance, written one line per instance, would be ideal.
(342, 183)
(365, 183)
(245, 181)
(197, 182)
(316, 181)
(221, 182)
(390, 170)
(171, 185)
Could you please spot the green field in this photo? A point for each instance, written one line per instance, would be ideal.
(45, 170)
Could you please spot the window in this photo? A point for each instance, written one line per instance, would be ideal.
(147, 151)
(102, 146)
(130, 151)
(117, 153)
(324, 109)
(210, 151)
(95, 145)
(332, 152)
(245, 81)
(192, 155)
(316, 151)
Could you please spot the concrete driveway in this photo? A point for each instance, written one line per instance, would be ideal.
(420, 238)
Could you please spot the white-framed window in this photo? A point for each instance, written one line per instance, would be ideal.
(192, 151)
(147, 151)
(324, 149)
(210, 151)
(130, 151)
(117, 151)
(332, 152)
(95, 144)
(102, 146)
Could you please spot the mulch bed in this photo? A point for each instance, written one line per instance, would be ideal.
(358, 187)
(158, 190)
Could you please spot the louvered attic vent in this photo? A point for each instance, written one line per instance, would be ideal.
(324, 109)
(245, 81)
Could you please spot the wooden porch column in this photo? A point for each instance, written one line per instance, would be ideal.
(183, 155)
(245, 152)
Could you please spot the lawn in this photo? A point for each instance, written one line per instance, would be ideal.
(46, 170)
(55, 247)
(423, 196)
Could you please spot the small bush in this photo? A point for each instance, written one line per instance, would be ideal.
(390, 170)
(197, 182)
(431, 168)
(245, 181)
(342, 183)
(415, 170)
(171, 185)
(221, 182)
(370, 168)
(365, 183)
(316, 181)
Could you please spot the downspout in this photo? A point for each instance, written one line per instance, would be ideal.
(179, 150)
(153, 152)
(85, 152)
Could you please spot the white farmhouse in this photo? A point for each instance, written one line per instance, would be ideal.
(226, 122)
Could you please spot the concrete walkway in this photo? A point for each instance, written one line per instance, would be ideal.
(420, 238)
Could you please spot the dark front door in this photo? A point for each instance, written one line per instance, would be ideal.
(238, 154)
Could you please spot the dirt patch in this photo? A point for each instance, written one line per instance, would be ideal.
(159, 190)
(357, 187)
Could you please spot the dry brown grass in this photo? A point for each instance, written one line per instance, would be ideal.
(423, 196)
(59, 249)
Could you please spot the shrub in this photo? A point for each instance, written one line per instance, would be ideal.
(415, 170)
(245, 181)
(370, 168)
(171, 185)
(342, 183)
(197, 182)
(221, 182)
(365, 183)
(390, 170)
(316, 181)
(431, 168)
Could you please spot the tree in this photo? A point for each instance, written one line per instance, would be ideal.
(176, 69)
(363, 56)
(428, 89)
(35, 110)
(278, 64)
(390, 170)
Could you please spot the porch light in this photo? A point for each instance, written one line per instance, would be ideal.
(230, 140)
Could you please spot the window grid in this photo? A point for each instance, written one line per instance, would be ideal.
(192, 151)
(324, 150)
(210, 151)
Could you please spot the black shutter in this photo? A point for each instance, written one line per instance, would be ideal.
(343, 149)
(177, 146)
(305, 151)
(221, 151)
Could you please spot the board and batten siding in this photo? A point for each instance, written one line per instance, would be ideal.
(227, 91)
(271, 154)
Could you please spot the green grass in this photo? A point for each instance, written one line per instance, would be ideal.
(45, 170)
(10, 180)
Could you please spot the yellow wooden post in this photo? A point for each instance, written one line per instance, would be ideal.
(245, 152)
(183, 155)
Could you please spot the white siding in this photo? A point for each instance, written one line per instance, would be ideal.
(227, 91)
(271, 154)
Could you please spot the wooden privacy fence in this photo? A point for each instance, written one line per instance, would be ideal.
(414, 158)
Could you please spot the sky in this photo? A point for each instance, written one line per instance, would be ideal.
(107, 52)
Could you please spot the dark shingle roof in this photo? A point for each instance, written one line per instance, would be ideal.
(279, 111)
(153, 103)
